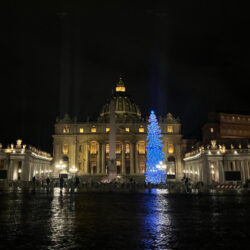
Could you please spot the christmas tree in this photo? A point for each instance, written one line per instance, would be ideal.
(155, 156)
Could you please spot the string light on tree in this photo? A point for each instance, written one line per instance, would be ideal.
(155, 155)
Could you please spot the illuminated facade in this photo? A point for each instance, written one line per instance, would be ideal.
(18, 162)
(85, 145)
(221, 125)
(227, 162)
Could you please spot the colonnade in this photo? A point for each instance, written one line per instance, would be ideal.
(209, 170)
(127, 160)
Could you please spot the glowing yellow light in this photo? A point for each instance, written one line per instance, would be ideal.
(120, 89)
(107, 129)
(141, 130)
(127, 129)
(81, 130)
(93, 129)
(66, 130)
(170, 148)
(170, 129)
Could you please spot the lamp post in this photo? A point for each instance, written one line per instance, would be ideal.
(73, 170)
(60, 166)
(161, 166)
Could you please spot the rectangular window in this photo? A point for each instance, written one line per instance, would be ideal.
(93, 147)
(127, 129)
(81, 130)
(107, 148)
(127, 148)
(93, 129)
(118, 148)
(80, 148)
(141, 147)
(170, 129)
(107, 129)
(141, 130)
(170, 148)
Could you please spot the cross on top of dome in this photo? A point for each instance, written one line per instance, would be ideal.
(120, 87)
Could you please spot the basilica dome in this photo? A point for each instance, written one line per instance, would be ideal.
(125, 108)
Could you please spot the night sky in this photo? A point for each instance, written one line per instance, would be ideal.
(183, 57)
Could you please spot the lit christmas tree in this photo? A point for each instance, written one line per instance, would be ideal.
(155, 156)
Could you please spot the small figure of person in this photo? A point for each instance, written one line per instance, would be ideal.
(34, 182)
(61, 183)
(47, 182)
(77, 182)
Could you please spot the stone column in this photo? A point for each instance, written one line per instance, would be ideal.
(123, 158)
(234, 165)
(132, 160)
(242, 171)
(221, 172)
(86, 157)
(76, 153)
(98, 160)
(206, 171)
(103, 159)
(137, 170)
(246, 170)
(10, 170)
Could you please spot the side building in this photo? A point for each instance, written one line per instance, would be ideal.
(85, 145)
(223, 155)
(18, 162)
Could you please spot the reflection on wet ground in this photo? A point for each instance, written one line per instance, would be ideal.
(158, 220)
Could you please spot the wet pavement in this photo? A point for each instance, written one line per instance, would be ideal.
(40, 220)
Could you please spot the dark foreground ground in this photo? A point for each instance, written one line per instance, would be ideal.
(123, 221)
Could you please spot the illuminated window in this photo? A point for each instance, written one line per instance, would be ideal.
(141, 147)
(127, 129)
(107, 129)
(170, 148)
(127, 148)
(211, 130)
(141, 130)
(118, 148)
(93, 147)
(142, 167)
(65, 130)
(93, 129)
(118, 165)
(170, 129)
(81, 130)
(65, 149)
(120, 89)
(107, 148)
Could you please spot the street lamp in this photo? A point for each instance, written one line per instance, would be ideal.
(73, 170)
(161, 166)
(60, 166)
